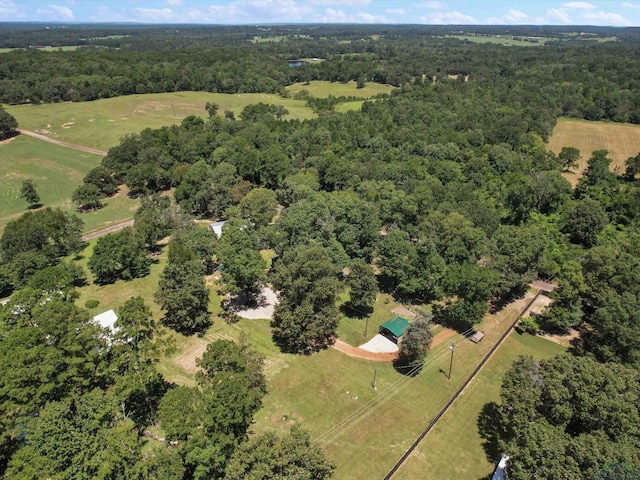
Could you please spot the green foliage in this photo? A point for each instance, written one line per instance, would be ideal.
(584, 221)
(8, 125)
(567, 309)
(50, 232)
(29, 193)
(416, 340)
(272, 457)
(184, 297)
(259, 206)
(569, 417)
(90, 304)
(103, 180)
(529, 325)
(153, 220)
(237, 251)
(306, 318)
(363, 287)
(87, 197)
(119, 255)
(569, 157)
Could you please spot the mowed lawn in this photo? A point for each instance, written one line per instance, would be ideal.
(365, 431)
(57, 171)
(622, 140)
(102, 123)
(453, 449)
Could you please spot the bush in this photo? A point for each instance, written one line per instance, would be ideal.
(529, 325)
(92, 303)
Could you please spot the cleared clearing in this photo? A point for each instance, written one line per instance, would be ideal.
(622, 140)
(321, 88)
(102, 123)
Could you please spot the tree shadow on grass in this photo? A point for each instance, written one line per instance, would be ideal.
(407, 367)
(489, 428)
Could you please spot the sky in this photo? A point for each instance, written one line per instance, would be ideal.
(434, 12)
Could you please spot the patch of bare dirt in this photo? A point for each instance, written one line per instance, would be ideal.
(287, 419)
(566, 340)
(8, 140)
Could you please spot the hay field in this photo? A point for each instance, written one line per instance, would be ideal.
(102, 123)
(622, 140)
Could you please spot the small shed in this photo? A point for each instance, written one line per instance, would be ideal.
(477, 336)
(394, 328)
(217, 228)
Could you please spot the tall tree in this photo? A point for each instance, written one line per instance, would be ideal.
(306, 318)
(8, 125)
(119, 255)
(416, 340)
(363, 287)
(569, 157)
(29, 193)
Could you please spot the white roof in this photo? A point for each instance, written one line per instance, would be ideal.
(217, 228)
(107, 320)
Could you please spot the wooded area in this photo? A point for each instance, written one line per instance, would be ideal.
(442, 194)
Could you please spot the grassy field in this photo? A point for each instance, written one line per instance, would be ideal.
(622, 140)
(64, 48)
(102, 123)
(453, 449)
(57, 171)
(325, 88)
(500, 40)
(331, 394)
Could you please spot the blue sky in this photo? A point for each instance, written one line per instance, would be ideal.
(551, 12)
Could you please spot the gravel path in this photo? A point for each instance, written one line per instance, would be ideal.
(61, 143)
(104, 231)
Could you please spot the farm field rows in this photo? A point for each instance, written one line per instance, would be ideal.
(622, 140)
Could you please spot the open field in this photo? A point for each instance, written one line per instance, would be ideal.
(453, 449)
(102, 123)
(331, 395)
(320, 89)
(57, 171)
(64, 48)
(622, 140)
(501, 40)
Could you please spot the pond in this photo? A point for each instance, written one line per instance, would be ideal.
(297, 63)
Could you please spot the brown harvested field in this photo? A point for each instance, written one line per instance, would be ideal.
(622, 140)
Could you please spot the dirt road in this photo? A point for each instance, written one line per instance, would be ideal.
(61, 143)
(356, 352)
(104, 231)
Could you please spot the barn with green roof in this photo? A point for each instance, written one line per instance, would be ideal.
(394, 328)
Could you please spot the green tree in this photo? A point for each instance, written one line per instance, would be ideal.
(29, 193)
(212, 109)
(153, 220)
(567, 417)
(567, 309)
(632, 167)
(363, 287)
(8, 125)
(584, 221)
(272, 457)
(259, 206)
(103, 180)
(569, 157)
(119, 255)
(416, 340)
(243, 266)
(183, 296)
(87, 197)
(306, 318)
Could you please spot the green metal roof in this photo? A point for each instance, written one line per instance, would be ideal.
(396, 325)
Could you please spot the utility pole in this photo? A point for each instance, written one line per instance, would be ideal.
(452, 348)
(375, 374)
(366, 326)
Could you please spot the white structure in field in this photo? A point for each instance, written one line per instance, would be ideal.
(217, 228)
(107, 320)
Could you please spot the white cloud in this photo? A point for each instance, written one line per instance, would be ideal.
(156, 14)
(579, 5)
(348, 3)
(630, 5)
(7, 8)
(338, 16)
(56, 13)
(448, 18)
(249, 11)
(511, 17)
(396, 11)
(605, 18)
(558, 16)
(174, 3)
(433, 4)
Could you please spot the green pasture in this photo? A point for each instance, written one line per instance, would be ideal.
(63, 48)
(453, 449)
(57, 171)
(500, 40)
(322, 88)
(102, 123)
(348, 106)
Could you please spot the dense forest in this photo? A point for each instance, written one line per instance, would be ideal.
(441, 193)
